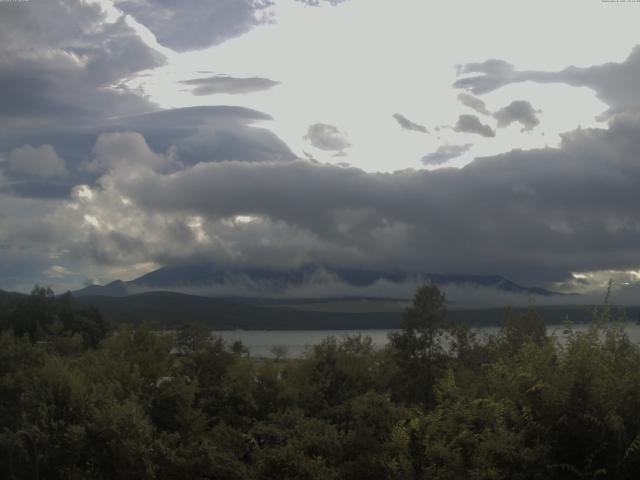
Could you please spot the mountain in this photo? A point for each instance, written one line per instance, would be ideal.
(117, 288)
(309, 281)
(170, 310)
(6, 297)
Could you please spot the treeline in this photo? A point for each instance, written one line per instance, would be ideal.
(81, 402)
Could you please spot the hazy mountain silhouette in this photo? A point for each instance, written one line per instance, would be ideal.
(263, 282)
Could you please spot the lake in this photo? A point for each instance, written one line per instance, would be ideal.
(260, 342)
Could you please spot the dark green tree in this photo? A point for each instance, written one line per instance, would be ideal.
(519, 328)
(192, 337)
(417, 347)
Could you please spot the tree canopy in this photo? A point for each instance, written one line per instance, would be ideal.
(80, 401)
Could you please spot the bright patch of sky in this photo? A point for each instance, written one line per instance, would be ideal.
(356, 64)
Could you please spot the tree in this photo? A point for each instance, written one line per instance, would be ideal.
(33, 315)
(417, 347)
(192, 337)
(518, 329)
(92, 324)
(335, 371)
(376, 446)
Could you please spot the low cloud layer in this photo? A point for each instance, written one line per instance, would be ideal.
(521, 213)
(323, 285)
(42, 161)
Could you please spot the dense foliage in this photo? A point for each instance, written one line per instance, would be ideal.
(438, 402)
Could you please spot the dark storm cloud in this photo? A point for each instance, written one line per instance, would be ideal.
(19, 267)
(50, 87)
(407, 124)
(27, 244)
(209, 134)
(167, 186)
(519, 111)
(445, 153)
(35, 188)
(196, 24)
(24, 24)
(326, 137)
(42, 161)
(471, 124)
(536, 214)
(36, 171)
(60, 64)
(532, 215)
(616, 84)
(473, 103)
(193, 134)
(59, 61)
(190, 117)
(230, 85)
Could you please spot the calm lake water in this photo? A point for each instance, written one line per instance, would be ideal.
(260, 342)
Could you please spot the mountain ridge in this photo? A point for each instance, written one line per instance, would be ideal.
(213, 281)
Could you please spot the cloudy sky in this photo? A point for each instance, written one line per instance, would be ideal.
(481, 137)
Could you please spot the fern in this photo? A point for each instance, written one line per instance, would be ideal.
(633, 448)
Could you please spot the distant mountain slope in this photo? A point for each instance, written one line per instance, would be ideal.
(210, 280)
(169, 310)
(9, 296)
(117, 288)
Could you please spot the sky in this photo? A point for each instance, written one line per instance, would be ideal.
(480, 137)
